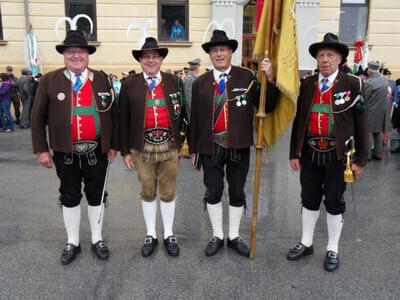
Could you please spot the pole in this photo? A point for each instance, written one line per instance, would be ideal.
(104, 190)
(259, 146)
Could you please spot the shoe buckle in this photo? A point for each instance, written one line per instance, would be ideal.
(298, 246)
(148, 240)
(68, 247)
(332, 254)
(102, 244)
(240, 239)
(173, 240)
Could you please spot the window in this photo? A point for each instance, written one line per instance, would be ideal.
(1, 27)
(353, 21)
(173, 25)
(87, 7)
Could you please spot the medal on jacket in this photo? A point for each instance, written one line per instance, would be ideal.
(241, 100)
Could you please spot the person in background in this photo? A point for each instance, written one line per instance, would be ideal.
(376, 98)
(177, 31)
(14, 94)
(117, 86)
(7, 122)
(190, 78)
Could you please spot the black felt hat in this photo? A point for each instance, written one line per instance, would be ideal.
(149, 44)
(75, 38)
(219, 37)
(330, 41)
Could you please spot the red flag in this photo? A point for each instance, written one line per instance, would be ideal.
(260, 4)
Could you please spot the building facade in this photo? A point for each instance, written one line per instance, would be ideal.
(181, 26)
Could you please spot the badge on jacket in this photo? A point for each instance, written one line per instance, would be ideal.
(342, 97)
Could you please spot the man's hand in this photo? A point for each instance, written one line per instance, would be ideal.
(128, 161)
(45, 159)
(357, 170)
(266, 67)
(111, 155)
(295, 164)
(193, 159)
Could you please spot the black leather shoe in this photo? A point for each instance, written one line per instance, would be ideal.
(299, 251)
(101, 250)
(171, 244)
(214, 245)
(331, 261)
(69, 252)
(150, 244)
(239, 246)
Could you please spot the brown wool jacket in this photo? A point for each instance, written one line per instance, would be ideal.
(351, 122)
(240, 119)
(132, 106)
(53, 105)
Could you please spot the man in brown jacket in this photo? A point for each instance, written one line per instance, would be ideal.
(77, 104)
(221, 132)
(152, 119)
(330, 111)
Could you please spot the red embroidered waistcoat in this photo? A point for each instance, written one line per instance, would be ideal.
(157, 110)
(321, 119)
(85, 121)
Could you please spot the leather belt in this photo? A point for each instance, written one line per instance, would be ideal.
(84, 147)
(157, 135)
(321, 143)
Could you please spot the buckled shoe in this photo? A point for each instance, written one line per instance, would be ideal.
(331, 261)
(150, 244)
(171, 245)
(214, 245)
(299, 251)
(101, 250)
(69, 253)
(239, 246)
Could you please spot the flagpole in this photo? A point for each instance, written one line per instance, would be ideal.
(260, 115)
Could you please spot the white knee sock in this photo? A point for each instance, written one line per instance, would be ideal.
(335, 225)
(72, 220)
(235, 215)
(215, 214)
(168, 214)
(309, 219)
(95, 226)
(149, 214)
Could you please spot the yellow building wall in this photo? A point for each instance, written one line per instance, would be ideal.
(383, 33)
(113, 53)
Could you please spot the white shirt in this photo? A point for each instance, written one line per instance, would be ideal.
(218, 73)
(82, 77)
(331, 79)
(158, 77)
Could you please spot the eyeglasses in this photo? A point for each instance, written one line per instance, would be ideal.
(148, 57)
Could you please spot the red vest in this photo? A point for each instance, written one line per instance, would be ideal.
(85, 124)
(222, 123)
(157, 110)
(321, 119)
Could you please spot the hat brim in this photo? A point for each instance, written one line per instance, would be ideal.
(60, 48)
(138, 53)
(341, 48)
(233, 44)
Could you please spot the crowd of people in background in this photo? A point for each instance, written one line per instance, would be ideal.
(17, 94)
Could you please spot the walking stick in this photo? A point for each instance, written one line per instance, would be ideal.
(104, 190)
(259, 146)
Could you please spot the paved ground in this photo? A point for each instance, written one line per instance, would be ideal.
(32, 237)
